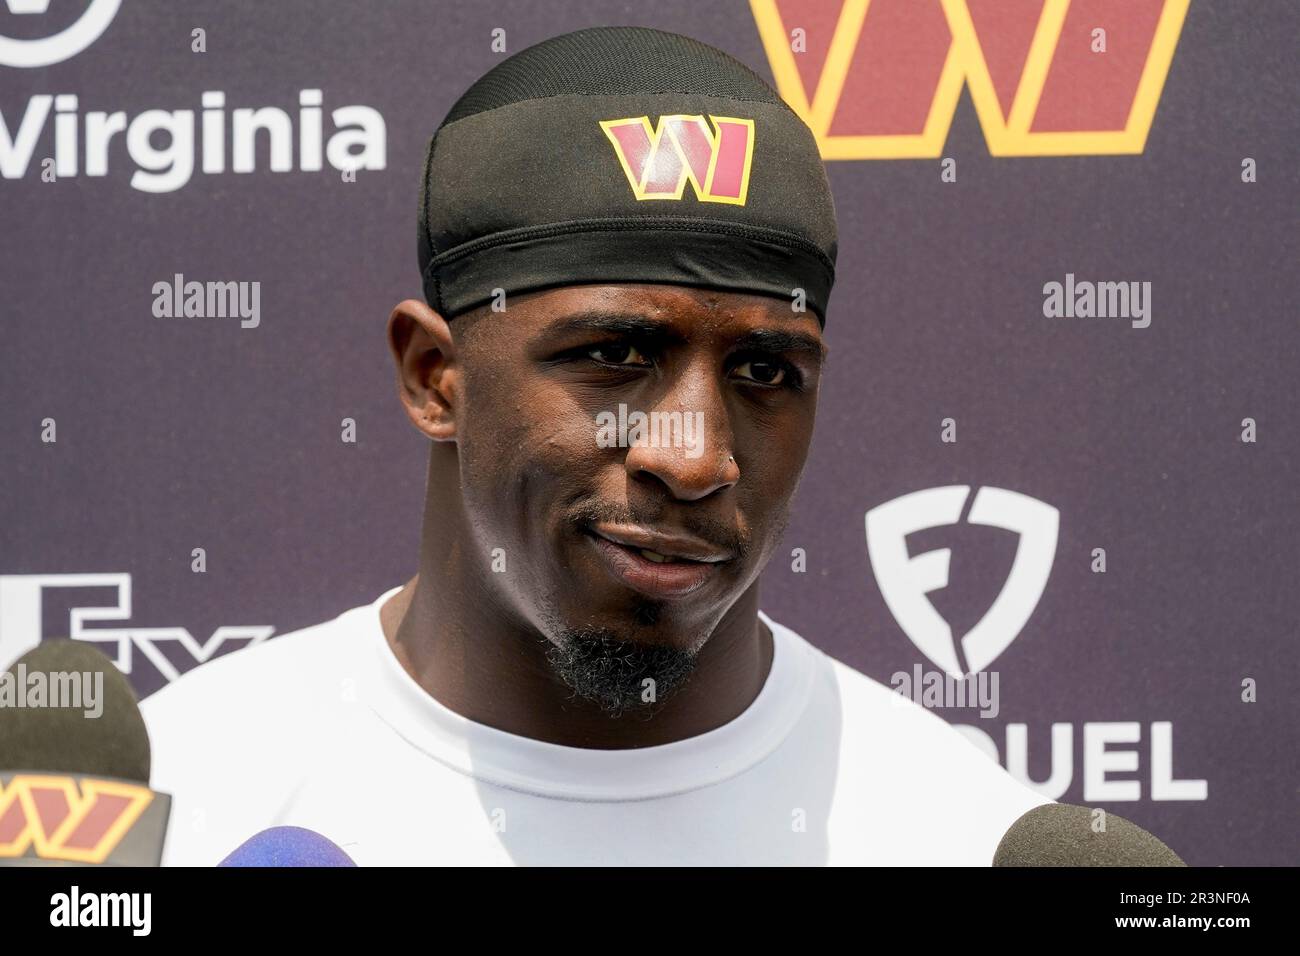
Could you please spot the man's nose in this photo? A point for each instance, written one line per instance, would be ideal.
(688, 445)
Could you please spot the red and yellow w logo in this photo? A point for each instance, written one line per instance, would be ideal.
(880, 79)
(659, 162)
(47, 814)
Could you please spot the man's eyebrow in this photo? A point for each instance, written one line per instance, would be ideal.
(634, 324)
(779, 340)
(618, 323)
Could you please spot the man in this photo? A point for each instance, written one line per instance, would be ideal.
(627, 243)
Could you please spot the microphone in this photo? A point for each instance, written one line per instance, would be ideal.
(74, 764)
(1060, 834)
(287, 846)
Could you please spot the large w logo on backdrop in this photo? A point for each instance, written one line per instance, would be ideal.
(880, 79)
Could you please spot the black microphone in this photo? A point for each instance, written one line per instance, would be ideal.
(1060, 834)
(74, 764)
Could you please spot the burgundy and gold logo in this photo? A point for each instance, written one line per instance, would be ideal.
(880, 79)
(62, 817)
(660, 160)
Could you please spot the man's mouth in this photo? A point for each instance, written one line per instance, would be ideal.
(656, 556)
(656, 563)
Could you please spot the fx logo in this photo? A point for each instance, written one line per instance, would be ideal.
(905, 581)
(62, 45)
(21, 627)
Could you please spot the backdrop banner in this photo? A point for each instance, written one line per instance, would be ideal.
(1052, 489)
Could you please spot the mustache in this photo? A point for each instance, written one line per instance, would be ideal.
(715, 532)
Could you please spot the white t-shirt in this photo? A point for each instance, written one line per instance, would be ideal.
(324, 729)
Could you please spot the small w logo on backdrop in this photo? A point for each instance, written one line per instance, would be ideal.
(660, 161)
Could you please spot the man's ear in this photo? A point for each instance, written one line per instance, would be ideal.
(429, 381)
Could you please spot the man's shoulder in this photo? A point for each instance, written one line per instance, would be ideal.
(242, 702)
(898, 761)
(284, 665)
(868, 705)
(233, 738)
(916, 736)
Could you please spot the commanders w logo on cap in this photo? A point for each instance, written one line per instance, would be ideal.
(659, 162)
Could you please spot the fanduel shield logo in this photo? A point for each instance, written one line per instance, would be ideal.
(906, 580)
(59, 47)
(660, 161)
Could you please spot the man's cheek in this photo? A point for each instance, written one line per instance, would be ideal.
(568, 440)
(493, 456)
(536, 463)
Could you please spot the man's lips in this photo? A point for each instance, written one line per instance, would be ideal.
(658, 564)
(669, 544)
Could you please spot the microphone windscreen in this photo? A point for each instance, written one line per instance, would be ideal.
(1060, 834)
(287, 846)
(102, 734)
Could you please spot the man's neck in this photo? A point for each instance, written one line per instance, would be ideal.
(450, 637)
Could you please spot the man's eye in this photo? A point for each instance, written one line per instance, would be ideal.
(615, 354)
(765, 373)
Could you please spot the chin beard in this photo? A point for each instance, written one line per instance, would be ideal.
(616, 674)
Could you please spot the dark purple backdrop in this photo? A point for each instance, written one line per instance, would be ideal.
(174, 434)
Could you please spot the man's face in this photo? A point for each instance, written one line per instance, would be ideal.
(652, 542)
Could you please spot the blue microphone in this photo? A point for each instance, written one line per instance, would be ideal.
(287, 846)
